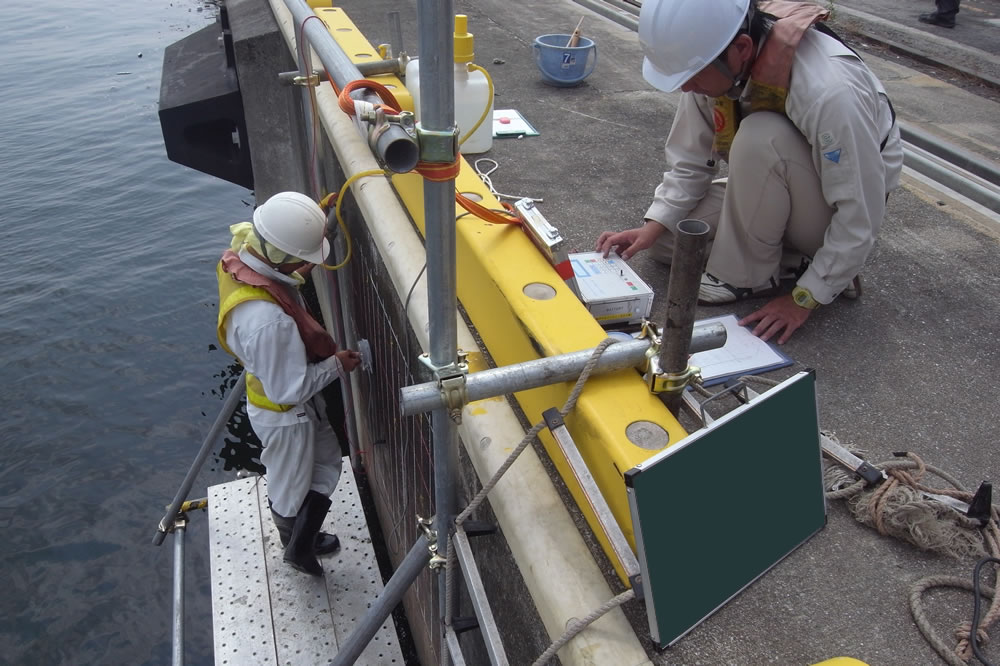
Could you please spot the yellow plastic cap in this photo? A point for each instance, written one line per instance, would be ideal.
(464, 50)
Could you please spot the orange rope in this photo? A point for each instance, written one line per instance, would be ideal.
(347, 102)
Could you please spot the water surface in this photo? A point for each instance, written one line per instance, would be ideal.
(107, 317)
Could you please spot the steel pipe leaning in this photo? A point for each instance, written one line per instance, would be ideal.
(494, 382)
(691, 241)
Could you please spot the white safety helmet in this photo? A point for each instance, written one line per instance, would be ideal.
(680, 37)
(295, 224)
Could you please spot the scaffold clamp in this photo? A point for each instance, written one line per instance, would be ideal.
(669, 382)
(451, 380)
(294, 78)
(438, 146)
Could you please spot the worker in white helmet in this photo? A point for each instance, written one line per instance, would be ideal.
(289, 358)
(810, 139)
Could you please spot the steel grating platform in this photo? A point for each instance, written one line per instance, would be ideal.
(265, 612)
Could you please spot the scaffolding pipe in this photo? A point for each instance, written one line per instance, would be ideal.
(396, 36)
(688, 263)
(401, 152)
(435, 27)
(313, 147)
(407, 571)
(228, 407)
(178, 638)
(494, 382)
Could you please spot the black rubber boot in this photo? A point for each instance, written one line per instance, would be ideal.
(324, 545)
(939, 19)
(300, 553)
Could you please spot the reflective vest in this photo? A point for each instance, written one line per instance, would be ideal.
(231, 294)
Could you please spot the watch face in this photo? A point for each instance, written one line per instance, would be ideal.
(803, 298)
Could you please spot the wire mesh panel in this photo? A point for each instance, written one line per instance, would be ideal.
(396, 451)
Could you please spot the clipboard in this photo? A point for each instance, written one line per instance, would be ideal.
(509, 123)
(743, 354)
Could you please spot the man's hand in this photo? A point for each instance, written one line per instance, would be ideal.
(633, 240)
(349, 358)
(781, 313)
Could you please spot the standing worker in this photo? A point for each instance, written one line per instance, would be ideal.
(811, 142)
(289, 358)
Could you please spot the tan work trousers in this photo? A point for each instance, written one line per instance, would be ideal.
(772, 205)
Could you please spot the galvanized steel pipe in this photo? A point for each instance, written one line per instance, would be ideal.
(178, 634)
(691, 240)
(366, 628)
(228, 407)
(435, 27)
(401, 153)
(494, 382)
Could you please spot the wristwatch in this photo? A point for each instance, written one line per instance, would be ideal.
(803, 298)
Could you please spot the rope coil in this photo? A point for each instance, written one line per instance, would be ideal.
(898, 507)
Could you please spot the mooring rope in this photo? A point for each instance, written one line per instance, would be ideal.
(480, 497)
(576, 626)
(882, 508)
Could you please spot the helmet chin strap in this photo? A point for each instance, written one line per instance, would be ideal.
(738, 82)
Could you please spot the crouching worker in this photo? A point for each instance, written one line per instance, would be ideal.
(810, 139)
(289, 358)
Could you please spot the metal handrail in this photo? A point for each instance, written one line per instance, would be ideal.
(228, 407)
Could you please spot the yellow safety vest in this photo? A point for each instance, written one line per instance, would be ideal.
(231, 294)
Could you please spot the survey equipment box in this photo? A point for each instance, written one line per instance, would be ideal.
(613, 293)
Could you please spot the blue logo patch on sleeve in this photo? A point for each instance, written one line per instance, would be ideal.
(833, 156)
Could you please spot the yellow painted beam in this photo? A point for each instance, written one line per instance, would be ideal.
(495, 264)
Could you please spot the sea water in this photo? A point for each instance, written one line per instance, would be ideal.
(109, 378)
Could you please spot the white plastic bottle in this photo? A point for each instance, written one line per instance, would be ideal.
(472, 92)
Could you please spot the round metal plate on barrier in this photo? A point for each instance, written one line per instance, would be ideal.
(539, 291)
(647, 435)
(366, 355)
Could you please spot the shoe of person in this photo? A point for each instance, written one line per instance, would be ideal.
(300, 553)
(936, 19)
(853, 291)
(324, 545)
(713, 291)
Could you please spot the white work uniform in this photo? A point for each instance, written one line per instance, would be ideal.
(815, 181)
(301, 451)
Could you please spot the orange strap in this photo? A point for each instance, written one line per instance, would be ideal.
(486, 214)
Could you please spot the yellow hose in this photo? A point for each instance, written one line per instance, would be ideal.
(340, 219)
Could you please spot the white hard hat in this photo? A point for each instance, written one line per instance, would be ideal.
(295, 224)
(680, 37)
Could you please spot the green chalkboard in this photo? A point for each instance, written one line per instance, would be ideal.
(719, 508)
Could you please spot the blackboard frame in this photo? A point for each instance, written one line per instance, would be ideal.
(718, 509)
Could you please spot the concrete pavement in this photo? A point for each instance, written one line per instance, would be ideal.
(911, 366)
(972, 47)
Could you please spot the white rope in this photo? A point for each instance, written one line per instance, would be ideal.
(576, 626)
